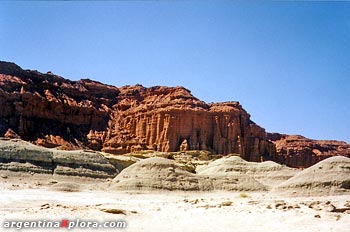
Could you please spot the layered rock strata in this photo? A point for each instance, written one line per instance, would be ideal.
(298, 151)
(52, 111)
(21, 156)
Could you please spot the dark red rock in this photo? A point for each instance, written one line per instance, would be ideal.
(298, 151)
(52, 111)
(10, 134)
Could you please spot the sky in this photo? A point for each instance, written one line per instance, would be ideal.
(287, 63)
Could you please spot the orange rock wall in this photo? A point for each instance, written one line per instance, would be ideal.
(300, 152)
(52, 111)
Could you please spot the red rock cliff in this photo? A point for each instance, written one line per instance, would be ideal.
(52, 111)
(298, 151)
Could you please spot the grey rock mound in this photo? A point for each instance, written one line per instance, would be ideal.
(163, 174)
(251, 175)
(18, 155)
(21, 156)
(82, 163)
(157, 174)
(330, 176)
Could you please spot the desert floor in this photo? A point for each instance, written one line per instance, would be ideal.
(23, 198)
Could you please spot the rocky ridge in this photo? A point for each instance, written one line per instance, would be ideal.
(51, 111)
(20, 156)
(300, 152)
(63, 171)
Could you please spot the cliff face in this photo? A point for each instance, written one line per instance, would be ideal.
(52, 111)
(298, 151)
(171, 119)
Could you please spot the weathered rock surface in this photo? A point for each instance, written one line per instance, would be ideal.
(229, 173)
(158, 173)
(21, 156)
(82, 163)
(120, 162)
(52, 111)
(18, 155)
(187, 160)
(249, 175)
(328, 177)
(298, 151)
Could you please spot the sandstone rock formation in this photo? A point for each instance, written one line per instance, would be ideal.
(52, 111)
(298, 151)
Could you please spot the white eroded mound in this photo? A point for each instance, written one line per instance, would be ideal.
(160, 173)
(330, 176)
(156, 173)
(267, 173)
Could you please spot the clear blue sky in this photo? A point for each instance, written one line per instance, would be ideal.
(288, 63)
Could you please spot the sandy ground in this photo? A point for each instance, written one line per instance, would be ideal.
(21, 199)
